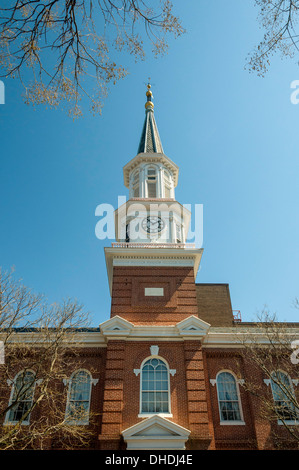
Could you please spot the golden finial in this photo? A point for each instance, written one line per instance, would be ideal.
(149, 104)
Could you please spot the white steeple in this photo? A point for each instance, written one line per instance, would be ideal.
(151, 174)
(152, 215)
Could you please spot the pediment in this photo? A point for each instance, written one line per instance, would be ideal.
(156, 430)
(156, 427)
(193, 326)
(116, 326)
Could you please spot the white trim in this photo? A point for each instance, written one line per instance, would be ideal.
(150, 158)
(232, 423)
(153, 262)
(156, 433)
(156, 256)
(292, 391)
(154, 291)
(191, 327)
(154, 350)
(13, 384)
(169, 372)
(69, 383)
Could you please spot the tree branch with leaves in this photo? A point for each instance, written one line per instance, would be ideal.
(267, 349)
(63, 50)
(279, 22)
(42, 348)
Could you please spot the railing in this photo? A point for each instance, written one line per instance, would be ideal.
(237, 315)
(153, 245)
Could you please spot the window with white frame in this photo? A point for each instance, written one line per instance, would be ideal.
(283, 396)
(151, 181)
(21, 399)
(155, 387)
(228, 397)
(78, 402)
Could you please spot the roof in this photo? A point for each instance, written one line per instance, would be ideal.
(150, 141)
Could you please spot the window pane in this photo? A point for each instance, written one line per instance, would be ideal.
(154, 382)
(228, 397)
(282, 392)
(79, 396)
(23, 391)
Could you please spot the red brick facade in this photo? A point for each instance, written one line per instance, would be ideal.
(194, 363)
(128, 300)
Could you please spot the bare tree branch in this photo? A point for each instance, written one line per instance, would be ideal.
(62, 50)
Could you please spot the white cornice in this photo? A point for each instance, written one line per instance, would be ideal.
(151, 257)
(190, 328)
(156, 432)
(236, 337)
(150, 158)
(38, 339)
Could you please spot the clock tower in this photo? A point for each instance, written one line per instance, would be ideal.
(154, 331)
(152, 215)
(151, 228)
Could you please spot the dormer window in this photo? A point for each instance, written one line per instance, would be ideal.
(151, 182)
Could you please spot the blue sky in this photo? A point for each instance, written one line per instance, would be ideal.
(233, 135)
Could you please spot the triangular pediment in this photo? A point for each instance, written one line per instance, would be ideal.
(116, 326)
(156, 430)
(156, 427)
(193, 326)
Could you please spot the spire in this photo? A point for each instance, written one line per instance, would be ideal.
(150, 141)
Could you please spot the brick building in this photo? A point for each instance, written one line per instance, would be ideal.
(166, 370)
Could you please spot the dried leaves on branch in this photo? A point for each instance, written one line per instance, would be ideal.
(279, 21)
(41, 353)
(62, 50)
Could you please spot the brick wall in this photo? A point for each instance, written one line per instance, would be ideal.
(214, 304)
(128, 300)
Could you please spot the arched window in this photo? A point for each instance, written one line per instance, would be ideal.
(21, 398)
(155, 387)
(135, 184)
(283, 396)
(151, 182)
(228, 397)
(78, 403)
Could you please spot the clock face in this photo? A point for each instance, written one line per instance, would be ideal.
(153, 224)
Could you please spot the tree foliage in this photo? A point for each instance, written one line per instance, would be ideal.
(267, 347)
(41, 344)
(279, 22)
(69, 46)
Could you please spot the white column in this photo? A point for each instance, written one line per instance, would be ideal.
(160, 182)
(142, 189)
